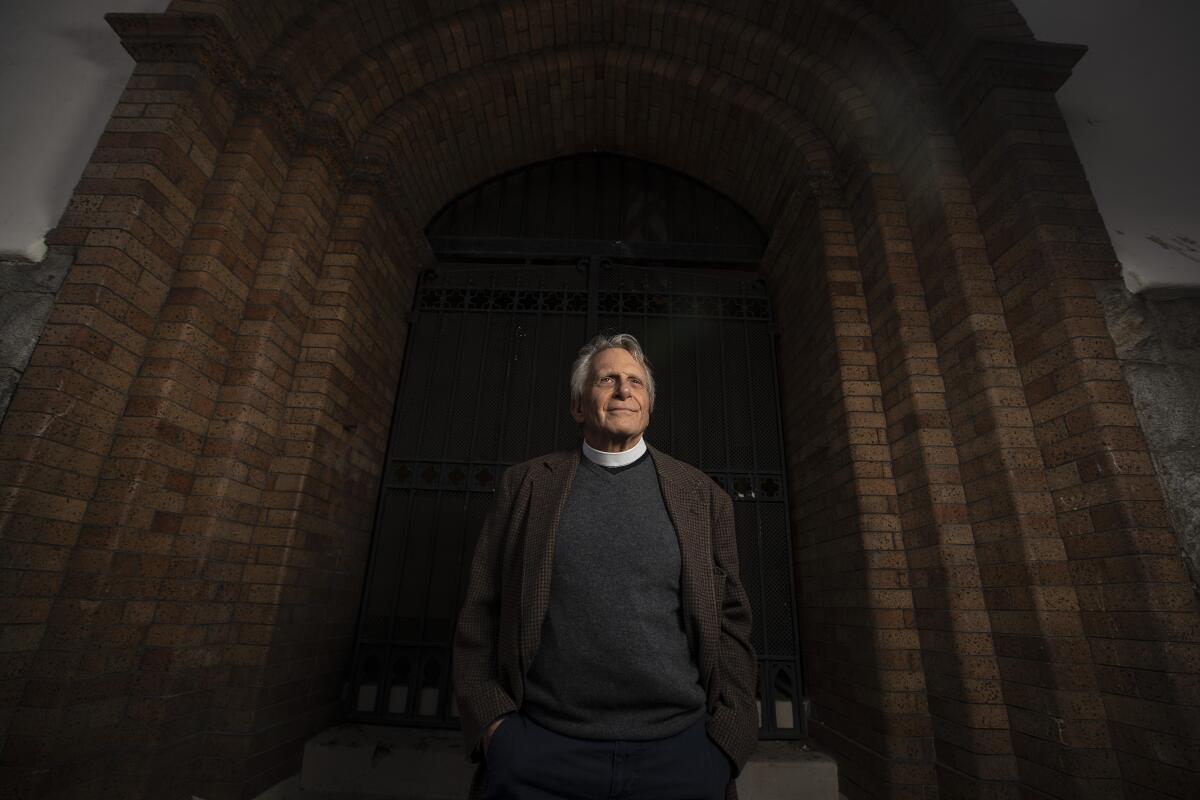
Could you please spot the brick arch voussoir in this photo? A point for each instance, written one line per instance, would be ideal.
(719, 43)
(865, 85)
(765, 44)
(733, 35)
(448, 138)
(272, 33)
(851, 71)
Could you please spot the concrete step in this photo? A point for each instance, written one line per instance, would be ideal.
(364, 762)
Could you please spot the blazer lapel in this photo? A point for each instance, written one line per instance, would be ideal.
(548, 495)
(691, 526)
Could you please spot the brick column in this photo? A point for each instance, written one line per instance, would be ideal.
(974, 751)
(863, 662)
(310, 543)
(226, 508)
(69, 661)
(1048, 243)
(1054, 710)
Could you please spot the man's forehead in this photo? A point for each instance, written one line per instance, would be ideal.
(616, 358)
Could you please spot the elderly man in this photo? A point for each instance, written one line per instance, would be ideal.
(603, 647)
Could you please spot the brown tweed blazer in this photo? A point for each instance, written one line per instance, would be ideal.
(500, 622)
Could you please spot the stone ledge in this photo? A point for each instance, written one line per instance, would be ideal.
(788, 770)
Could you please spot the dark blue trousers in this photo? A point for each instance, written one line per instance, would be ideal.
(528, 762)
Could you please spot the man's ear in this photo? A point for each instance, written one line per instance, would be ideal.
(577, 411)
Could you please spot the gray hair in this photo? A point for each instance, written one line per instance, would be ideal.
(607, 341)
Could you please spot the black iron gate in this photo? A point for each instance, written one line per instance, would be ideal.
(484, 386)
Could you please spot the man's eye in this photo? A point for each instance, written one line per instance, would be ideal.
(605, 381)
(635, 381)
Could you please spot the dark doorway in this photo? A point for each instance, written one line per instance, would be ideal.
(493, 332)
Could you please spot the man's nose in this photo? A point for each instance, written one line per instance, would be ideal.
(624, 388)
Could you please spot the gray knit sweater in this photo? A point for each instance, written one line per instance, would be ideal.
(614, 660)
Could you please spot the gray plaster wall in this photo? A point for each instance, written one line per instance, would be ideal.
(26, 297)
(1158, 344)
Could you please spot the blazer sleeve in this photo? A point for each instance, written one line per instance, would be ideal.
(479, 690)
(733, 724)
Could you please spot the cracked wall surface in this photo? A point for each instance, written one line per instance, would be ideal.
(1158, 344)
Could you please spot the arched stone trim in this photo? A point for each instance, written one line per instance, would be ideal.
(262, 26)
(774, 65)
(437, 129)
(765, 49)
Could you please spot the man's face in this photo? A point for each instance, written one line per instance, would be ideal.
(615, 406)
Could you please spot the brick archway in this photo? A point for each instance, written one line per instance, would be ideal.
(992, 594)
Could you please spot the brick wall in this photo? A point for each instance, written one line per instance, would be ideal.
(993, 600)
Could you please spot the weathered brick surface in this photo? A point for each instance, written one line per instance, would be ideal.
(868, 687)
(993, 604)
(1048, 244)
(70, 661)
(964, 680)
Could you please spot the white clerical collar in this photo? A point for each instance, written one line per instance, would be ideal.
(624, 458)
